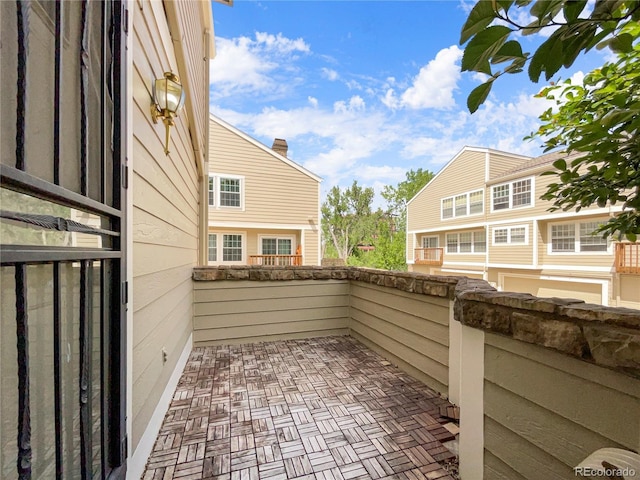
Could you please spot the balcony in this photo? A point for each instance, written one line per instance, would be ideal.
(341, 372)
(627, 258)
(276, 260)
(429, 256)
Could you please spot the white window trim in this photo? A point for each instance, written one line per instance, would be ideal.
(453, 203)
(508, 229)
(510, 183)
(576, 244)
(209, 261)
(219, 243)
(217, 192)
(473, 243)
(294, 246)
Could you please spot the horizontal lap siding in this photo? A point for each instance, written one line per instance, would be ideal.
(544, 410)
(499, 164)
(165, 221)
(411, 330)
(464, 174)
(512, 254)
(246, 311)
(275, 192)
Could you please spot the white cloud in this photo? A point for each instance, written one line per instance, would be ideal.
(244, 65)
(329, 74)
(433, 86)
(313, 101)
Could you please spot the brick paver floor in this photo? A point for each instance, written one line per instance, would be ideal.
(318, 409)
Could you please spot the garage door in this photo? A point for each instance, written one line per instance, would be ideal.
(589, 292)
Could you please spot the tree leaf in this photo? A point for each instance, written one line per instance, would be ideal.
(479, 18)
(622, 43)
(508, 51)
(573, 8)
(546, 8)
(482, 47)
(560, 164)
(547, 58)
(478, 95)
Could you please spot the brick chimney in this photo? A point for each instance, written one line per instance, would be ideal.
(280, 146)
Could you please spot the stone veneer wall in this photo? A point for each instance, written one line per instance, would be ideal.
(605, 336)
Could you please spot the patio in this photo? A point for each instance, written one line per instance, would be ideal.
(320, 408)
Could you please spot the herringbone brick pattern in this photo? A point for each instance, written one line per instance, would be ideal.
(319, 409)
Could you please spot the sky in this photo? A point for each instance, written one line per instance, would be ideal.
(366, 90)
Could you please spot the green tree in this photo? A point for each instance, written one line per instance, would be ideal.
(599, 119)
(397, 197)
(491, 32)
(347, 218)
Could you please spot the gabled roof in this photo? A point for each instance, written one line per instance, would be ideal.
(262, 146)
(464, 150)
(536, 164)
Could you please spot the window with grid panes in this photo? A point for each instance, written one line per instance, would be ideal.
(563, 238)
(461, 205)
(501, 235)
(447, 208)
(212, 190)
(213, 247)
(464, 240)
(521, 193)
(479, 242)
(501, 197)
(231, 248)
(452, 243)
(590, 242)
(230, 195)
(476, 202)
(518, 235)
(429, 242)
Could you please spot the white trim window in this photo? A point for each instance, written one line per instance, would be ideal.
(212, 190)
(463, 205)
(226, 191)
(516, 194)
(429, 242)
(577, 238)
(513, 235)
(466, 242)
(227, 248)
(277, 245)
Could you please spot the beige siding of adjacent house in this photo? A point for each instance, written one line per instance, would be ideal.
(501, 162)
(247, 311)
(165, 215)
(627, 291)
(463, 174)
(409, 329)
(533, 422)
(274, 191)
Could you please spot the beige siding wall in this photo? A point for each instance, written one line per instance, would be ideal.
(589, 292)
(534, 423)
(247, 311)
(409, 329)
(165, 220)
(464, 174)
(274, 192)
(500, 163)
(311, 250)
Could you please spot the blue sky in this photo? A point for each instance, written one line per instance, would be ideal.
(365, 90)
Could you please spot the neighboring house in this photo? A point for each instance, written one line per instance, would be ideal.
(481, 216)
(109, 312)
(264, 209)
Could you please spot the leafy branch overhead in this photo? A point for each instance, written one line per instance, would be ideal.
(493, 48)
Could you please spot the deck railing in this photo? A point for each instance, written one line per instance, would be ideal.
(276, 260)
(429, 256)
(627, 257)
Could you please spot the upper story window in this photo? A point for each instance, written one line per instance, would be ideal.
(469, 203)
(576, 238)
(466, 242)
(516, 235)
(213, 247)
(226, 248)
(512, 195)
(226, 191)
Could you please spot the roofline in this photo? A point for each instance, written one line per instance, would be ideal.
(463, 150)
(262, 146)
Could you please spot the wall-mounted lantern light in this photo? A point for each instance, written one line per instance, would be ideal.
(168, 98)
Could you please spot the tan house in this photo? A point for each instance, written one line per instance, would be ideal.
(264, 209)
(481, 216)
